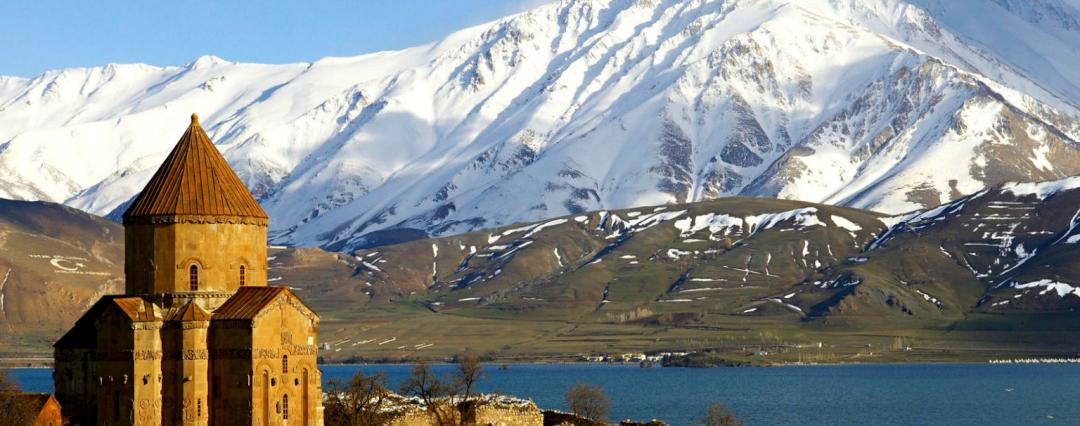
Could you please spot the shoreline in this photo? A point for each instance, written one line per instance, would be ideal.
(47, 363)
(779, 365)
(495, 366)
(690, 392)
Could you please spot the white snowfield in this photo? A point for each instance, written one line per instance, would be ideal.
(721, 225)
(1047, 286)
(1042, 190)
(584, 105)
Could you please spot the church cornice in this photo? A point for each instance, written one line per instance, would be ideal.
(186, 325)
(175, 296)
(147, 325)
(195, 219)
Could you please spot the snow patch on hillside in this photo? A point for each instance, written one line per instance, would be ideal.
(1041, 190)
(802, 218)
(716, 224)
(1059, 288)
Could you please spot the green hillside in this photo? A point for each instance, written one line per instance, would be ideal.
(732, 274)
(987, 276)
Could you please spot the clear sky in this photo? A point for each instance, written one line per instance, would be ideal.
(39, 35)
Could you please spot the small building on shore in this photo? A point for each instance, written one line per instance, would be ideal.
(30, 409)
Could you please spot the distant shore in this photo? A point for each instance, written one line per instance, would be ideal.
(497, 364)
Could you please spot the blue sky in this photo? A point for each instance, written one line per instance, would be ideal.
(36, 36)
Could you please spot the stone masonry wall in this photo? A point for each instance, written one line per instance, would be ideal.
(528, 415)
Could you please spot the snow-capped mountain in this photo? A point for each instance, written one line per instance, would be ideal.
(586, 105)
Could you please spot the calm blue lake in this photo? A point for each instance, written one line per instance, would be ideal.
(810, 395)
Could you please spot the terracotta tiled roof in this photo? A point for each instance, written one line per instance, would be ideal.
(191, 311)
(195, 180)
(36, 401)
(84, 334)
(136, 308)
(247, 302)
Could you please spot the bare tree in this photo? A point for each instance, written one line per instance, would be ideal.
(588, 401)
(434, 392)
(469, 371)
(719, 415)
(358, 402)
(15, 409)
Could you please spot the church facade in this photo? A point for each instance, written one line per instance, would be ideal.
(198, 337)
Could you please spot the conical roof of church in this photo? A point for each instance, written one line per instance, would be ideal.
(195, 180)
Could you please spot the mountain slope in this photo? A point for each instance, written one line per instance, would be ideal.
(733, 252)
(1013, 249)
(54, 263)
(670, 277)
(1008, 249)
(989, 273)
(585, 105)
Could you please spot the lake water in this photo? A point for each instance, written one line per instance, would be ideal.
(811, 395)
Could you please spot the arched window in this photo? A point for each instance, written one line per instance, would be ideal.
(243, 275)
(193, 277)
(285, 407)
(285, 364)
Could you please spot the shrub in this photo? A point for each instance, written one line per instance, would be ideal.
(588, 401)
(719, 415)
(359, 402)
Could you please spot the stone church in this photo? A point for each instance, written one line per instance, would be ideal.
(197, 338)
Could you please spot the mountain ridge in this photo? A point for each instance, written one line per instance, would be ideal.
(584, 105)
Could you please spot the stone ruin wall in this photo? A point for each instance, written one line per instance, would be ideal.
(485, 416)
